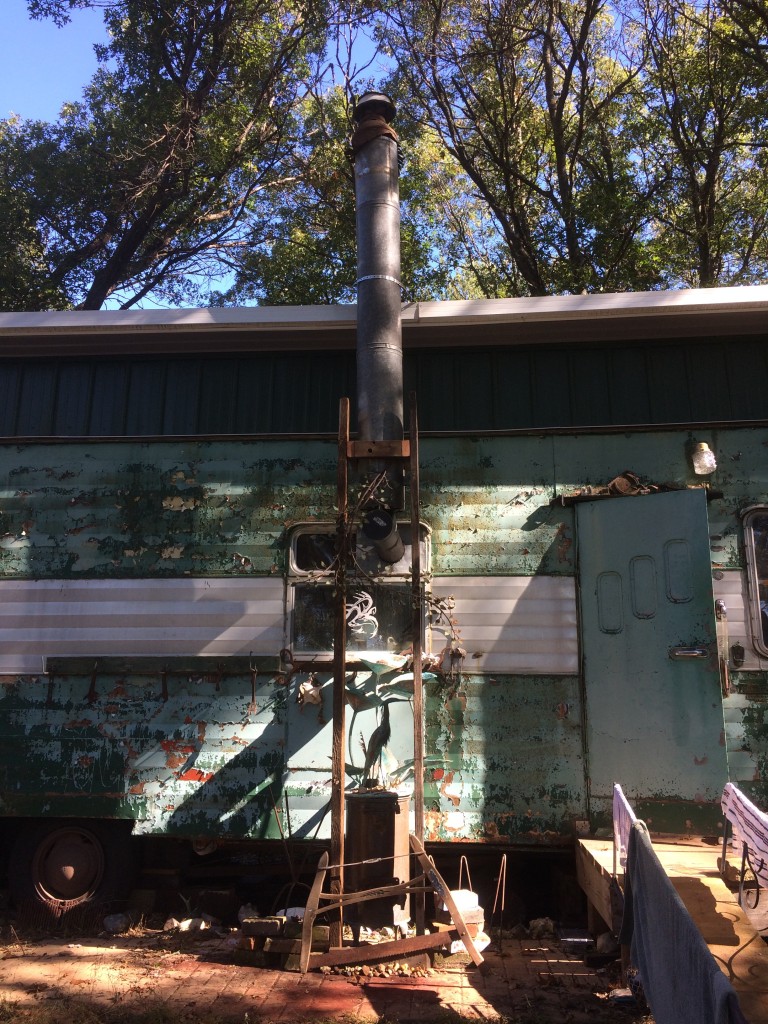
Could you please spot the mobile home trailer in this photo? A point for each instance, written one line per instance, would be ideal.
(595, 607)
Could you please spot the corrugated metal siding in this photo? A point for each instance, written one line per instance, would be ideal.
(268, 393)
(517, 624)
(707, 380)
(68, 618)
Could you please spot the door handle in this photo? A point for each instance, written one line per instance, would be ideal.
(688, 652)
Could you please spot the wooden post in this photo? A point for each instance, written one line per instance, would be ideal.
(417, 625)
(338, 754)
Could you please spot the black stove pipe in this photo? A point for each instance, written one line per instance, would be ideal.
(379, 335)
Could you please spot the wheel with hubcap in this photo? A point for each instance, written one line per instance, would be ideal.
(71, 863)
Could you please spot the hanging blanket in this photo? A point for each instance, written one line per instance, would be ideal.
(681, 979)
(749, 825)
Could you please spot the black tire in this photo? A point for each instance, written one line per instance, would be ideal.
(71, 863)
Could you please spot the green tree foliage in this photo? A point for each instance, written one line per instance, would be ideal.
(302, 247)
(548, 146)
(744, 29)
(147, 180)
(709, 107)
(25, 280)
(540, 104)
(611, 147)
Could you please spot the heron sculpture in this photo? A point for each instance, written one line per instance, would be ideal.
(377, 741)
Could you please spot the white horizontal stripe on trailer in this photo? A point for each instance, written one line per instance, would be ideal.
(515, 624)
(78, 618)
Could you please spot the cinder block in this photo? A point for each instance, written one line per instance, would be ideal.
(274, 945)
(291, 962)
(292, 929)
(254, 958)
(262, 925)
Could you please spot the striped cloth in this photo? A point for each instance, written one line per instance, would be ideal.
(748, 825)
(623, 820)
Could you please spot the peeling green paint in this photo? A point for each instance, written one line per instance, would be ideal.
(505, 752)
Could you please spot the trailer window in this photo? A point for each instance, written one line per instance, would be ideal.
(756, 537)
(378, 596)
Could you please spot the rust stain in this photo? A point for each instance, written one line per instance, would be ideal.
(75, 530)
(178, 504)
(195, 775)
(452, 797)
(564, 543)
(175, 746)
(176, 754)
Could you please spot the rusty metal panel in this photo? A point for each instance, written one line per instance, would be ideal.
(512, 763)
(487, 501)
(165, 509)
(193, 760)
(508, 744)
(196, 753)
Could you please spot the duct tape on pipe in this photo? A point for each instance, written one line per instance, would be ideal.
(379, 277)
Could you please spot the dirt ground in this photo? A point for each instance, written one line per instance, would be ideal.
(152, 977)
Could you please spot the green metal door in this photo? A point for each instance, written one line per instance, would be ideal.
(654, 717)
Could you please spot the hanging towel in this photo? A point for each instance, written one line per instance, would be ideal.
(749, 825)
(623, 819)
(681, 979)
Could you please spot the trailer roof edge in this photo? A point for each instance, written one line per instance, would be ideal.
(566, 319)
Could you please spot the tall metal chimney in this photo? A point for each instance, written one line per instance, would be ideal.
(379, 335)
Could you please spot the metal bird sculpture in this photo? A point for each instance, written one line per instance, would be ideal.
(377, 741)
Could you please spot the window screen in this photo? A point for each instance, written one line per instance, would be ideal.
(379, 614)
(756, 538)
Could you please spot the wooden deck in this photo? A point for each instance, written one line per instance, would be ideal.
(731, 936)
